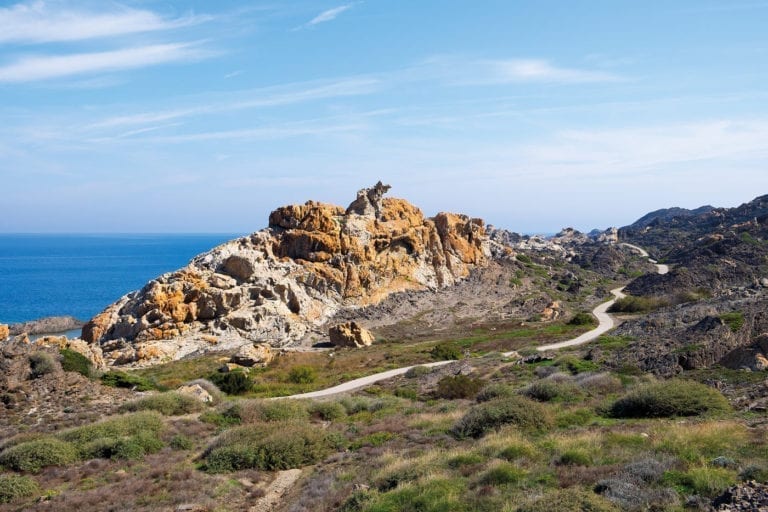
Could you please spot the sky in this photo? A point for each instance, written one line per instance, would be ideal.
(199, 116)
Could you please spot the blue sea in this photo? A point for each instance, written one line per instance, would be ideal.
(79, 275)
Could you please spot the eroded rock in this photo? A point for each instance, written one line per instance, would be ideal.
(260, 354)
(350, 334)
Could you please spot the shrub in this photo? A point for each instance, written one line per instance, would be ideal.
(550, 391)
(327, 410)
(118, 379)
(181, 442)
(120, 426)
(631, 304)
(465, 459)
(671, 398)
(599, 384)
(41, 363)
(705, 481)
(170, 404)
(516, 410)
(269, 446)
(252, 411)
(302, 375)
(33, 456)
(575, 457)
(522, 258)
(582, 318)
(232, 383)
(502, 474)
(446, 352)
(734, 320)
(72, 361)
(13, 487)
(128, 448)
(569, 499)
(576, 365)
(417, 371)
(495, 391)
(458, 386)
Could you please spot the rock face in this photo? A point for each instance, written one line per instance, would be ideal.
(282, 284)
(350, 334)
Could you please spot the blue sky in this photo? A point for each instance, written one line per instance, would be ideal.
(149, 116)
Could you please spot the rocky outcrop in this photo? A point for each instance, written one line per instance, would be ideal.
(282, 284)
(350, 334)
(47, 325)
(91, 352)
(4, 332)
(260, 354)
(747, 496)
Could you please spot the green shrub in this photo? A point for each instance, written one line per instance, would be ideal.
(118, 379)
(705, 480)
(223, 419)
(569, 499)
(675, 397)
(269, 446)
(522, 258)
(127, 448)
(552, 391)
(181, 442)
(495, 391)
(33, 456)
(576, 365)
(417, 371)
(253, 411)
(516, 410)
(41, 363)
(503, 474)
(458, 386)
(632, 304)
(13, 487)
(374, 439)
(72, 361)
(232, 383)
(446, 352)
(466, 459)
(302, 375)
(170, 403)
(327, 410)
(575, 457)
(582, 318)
(121, 426)
(734, 320)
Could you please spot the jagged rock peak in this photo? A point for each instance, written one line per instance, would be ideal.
(282, 285)
(368, 200)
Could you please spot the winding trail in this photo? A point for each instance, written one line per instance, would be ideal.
(605, 324)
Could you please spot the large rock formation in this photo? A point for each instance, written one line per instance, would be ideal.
(281, 284)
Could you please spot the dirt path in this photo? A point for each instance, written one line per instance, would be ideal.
(275, 491)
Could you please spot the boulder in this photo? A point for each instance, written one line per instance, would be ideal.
(260, 354)
(350, 334)
(196, 391)
(4, 332)
(239, 267)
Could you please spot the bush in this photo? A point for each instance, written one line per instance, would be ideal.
(675, 397)
(13, 487)
(446, 352)
(569, 499)
(41, 363)
(576, 365)
(181, 442)
(327, 411)
(253, 411)
(72, 361)
(269, 446)
(169, 404)
(482, 418)
(120, 426)
(33, 456)
(118, 379)
(631, 304)
(302, 375)
(232, 383)
(704, 481)
(582, 318)
(417, 371)
(551, 391)
(502, 474)
(458, 386)
(734, 320)
(495, 391)
(127, 448)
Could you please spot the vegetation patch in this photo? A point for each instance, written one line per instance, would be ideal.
(41, 363)
(446, 352)
(633, 304)
(516, 410)
(14, 487)
(582, 318)
(118, 379)
(675, 397)
(569, 499)
(458, 386)
(231, 383)
(72, 361)
(734, 320)
(32, 456)
(170, 403)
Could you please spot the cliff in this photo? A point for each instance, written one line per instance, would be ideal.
(282, 284)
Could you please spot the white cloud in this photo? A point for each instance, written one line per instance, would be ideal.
(41, 21)
(330, 14)
(45, 67)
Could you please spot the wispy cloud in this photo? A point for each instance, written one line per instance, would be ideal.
(330, 14)
(41, 21)
(46, 67)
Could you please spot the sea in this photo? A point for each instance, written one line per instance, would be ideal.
(79, 275)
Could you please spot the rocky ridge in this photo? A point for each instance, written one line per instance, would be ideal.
(282, 285)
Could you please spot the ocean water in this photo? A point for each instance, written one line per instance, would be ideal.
(79, 275)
